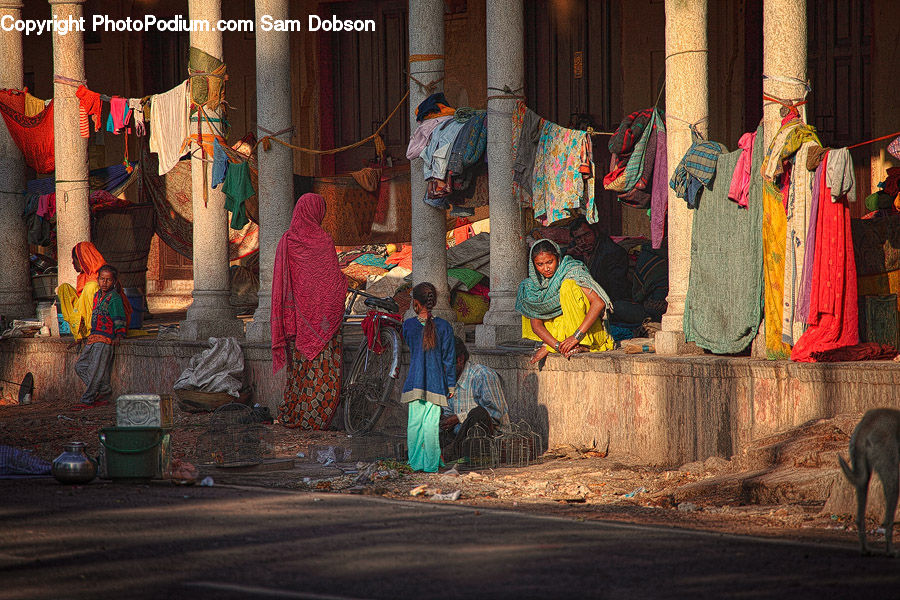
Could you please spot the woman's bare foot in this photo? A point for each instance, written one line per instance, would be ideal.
(539, 354)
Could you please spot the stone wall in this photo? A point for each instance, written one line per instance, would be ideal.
(664, 411)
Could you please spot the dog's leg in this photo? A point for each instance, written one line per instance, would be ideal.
(888, 475)
(862, 496)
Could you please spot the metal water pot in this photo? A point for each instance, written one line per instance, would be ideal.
(73, 465)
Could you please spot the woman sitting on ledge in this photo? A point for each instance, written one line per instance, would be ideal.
(77, 303)
(561, 304)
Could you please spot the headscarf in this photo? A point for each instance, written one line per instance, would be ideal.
(308, 288)
(90, 260)
(538, 297)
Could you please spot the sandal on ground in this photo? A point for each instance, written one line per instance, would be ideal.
(83, 406)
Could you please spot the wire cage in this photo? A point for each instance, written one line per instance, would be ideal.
(234, 439)
(519, 445)
(478, 450)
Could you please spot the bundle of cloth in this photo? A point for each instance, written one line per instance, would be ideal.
(553, 170)
(638, 166)
(451, 142)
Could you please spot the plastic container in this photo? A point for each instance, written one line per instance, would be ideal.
(132, 453)
(136, 298)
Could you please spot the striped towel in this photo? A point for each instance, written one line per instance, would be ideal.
(697, 167)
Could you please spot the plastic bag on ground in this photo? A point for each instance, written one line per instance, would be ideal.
(216, 369)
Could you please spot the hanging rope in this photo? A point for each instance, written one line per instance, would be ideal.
(878, 139)
(379, 143)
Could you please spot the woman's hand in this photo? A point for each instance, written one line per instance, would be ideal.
(568, 345)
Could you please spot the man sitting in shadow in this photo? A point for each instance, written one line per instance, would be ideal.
(477, 402)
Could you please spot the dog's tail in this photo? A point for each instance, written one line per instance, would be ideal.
(851, 476)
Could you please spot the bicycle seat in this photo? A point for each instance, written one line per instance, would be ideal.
(385, 304)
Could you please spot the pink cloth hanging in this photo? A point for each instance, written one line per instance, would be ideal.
(740, 180)
(47, 206)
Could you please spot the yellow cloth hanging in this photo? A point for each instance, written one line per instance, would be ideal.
(77, 309)
(33, 106)
(575, 305)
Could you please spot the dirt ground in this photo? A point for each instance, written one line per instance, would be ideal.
(787, 486)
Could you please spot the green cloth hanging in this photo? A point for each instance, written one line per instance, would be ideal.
(237, 188)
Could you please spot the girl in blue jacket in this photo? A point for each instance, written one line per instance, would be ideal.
(431, 379)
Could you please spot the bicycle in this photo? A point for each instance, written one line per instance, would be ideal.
(370, 382)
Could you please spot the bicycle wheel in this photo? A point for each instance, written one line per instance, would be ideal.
(369, 385)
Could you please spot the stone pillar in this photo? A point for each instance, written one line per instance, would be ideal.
(15, 280)
(429, 225)
(505, 67)
(73, 215)
(784, 58)
(210, 313)
(686, 99)
(276, 180)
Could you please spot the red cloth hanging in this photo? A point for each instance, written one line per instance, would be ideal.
(833, 312)
(32, 135)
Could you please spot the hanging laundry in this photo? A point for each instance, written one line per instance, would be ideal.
(723, 306)
(46, 207)
(563, 175)
(833, 310)
(529, 136)
(798, 180)
(801, 307)
(422, 135)
(138, 110)
(220, 164)
(119, 113)
(635, 169)
(368, 178)
(840, 176)
(33, 106)
(470, 143)
(237, 188)
(169, 126)
(639, 170)
(740, 180)
(659, 194)
(437, 153)
(696, 169)
(33, 136)
(90, 102)
(435, 105)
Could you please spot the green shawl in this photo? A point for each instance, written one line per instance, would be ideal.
(538, 297)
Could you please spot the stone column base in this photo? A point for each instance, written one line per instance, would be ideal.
(202, 329)
(259, 330)
(210, 315)
(672, 343)
(669, 343)
(498, 329)
(17, 305)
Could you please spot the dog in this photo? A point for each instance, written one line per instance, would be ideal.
(875, 446)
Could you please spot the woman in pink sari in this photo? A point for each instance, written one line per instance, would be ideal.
(308, 293)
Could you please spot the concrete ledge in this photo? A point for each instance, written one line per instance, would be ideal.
(664, 410)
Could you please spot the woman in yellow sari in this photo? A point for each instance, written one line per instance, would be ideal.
(77, 303)
(561, 305)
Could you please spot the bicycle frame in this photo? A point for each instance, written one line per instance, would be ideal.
(385, 320)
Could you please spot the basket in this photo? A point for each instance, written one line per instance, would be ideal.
(44, 286)
(194, 401)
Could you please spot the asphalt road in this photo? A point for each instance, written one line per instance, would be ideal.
(162, 541)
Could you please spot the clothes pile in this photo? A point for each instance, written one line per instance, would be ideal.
(553, 169)
(451, 142)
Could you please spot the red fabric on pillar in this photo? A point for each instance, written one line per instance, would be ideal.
(833, 312)
(32, 135)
